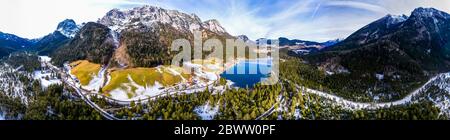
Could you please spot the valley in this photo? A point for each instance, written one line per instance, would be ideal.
(133, 84)
(279, 108)
(124, 67)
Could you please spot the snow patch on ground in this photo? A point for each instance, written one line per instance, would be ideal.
(442, 101)
(11, 85)
(46, 78)
(147, 91)
(119, 94)
(213, 67)
(379, 76)
(210, 76)
(159, 69)
(176, 73)
(297, 114)
(329, 73)
(351, 105)
(45, 75)
(192, 65)
(140, 93)
(173, 72)
(207, 112)
(97, 81)
(45, 59)
(2, 117)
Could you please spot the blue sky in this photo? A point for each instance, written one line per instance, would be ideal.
(317, 20)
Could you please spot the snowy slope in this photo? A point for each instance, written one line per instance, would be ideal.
(10, 83)
(439, 96)
(45, 75)
(118, 20)
(2, 117)
(207, 111)
(68, 28)
(395, 19)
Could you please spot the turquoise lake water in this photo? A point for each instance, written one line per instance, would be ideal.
(248, 73)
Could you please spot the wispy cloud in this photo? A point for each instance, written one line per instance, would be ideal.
(318, 20)
(358, 5)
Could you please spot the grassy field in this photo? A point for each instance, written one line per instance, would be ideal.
(123, 78)
(210, 65)
(84, 70)
(144, 77)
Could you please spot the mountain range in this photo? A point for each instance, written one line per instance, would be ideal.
(393, 64)
(128, 28)
(139, 37)
(10, 43)
(119, 36)
(419, 41)
(402, 50)
(65, 31)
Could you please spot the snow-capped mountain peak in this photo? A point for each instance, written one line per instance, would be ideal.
(243, 37)
(421, 13)
(246, 39)
(119, 20)
(214, 26)
(395, 19)
(68, 28)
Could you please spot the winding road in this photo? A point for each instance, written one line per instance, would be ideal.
(272, 109)
(360, 105)
(80, 93)
(351, 105)
(93, 105)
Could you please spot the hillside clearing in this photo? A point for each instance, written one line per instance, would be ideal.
(84, 70)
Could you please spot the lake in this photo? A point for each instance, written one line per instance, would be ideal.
(248, 73)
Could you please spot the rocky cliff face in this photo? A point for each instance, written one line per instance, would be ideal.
(151, 16)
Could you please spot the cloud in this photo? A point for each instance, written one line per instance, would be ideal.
(317, 20)
(358, 5)
(293, 9)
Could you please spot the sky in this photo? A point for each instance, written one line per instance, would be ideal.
(315, 20)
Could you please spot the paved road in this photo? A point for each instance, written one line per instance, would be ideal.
(272, 109)
(93, 105)
(359, 105)
(81, 94)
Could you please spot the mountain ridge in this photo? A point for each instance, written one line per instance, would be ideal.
(142, 36)
(68, 28)
(409, 51)
(147, 15)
